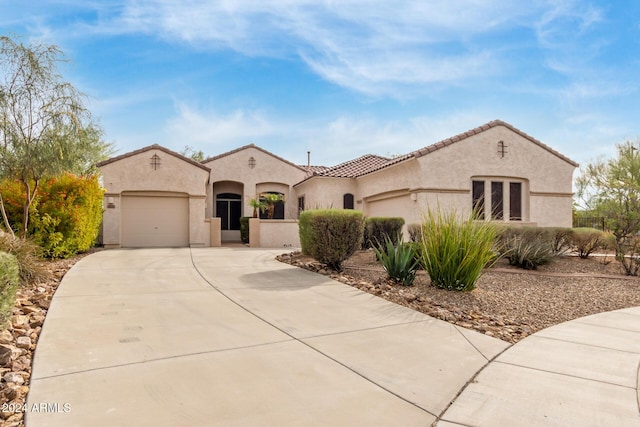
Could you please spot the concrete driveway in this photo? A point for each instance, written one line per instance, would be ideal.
(231, 337)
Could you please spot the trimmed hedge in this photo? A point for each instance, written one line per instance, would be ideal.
(9, 281)
(330, 235)
(244, 229)
(378, 229)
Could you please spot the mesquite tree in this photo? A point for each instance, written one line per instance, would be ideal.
(44, 127)
(611, 189)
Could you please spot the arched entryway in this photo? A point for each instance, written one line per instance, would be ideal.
(228, 207)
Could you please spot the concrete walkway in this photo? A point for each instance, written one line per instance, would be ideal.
(231, 337)
(579, 373)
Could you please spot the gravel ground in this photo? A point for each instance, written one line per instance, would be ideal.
(508, 303)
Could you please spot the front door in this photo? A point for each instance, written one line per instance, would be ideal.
(229, 210)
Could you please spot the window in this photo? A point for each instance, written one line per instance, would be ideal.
(515, 201)
(278, 208)
(497, 205)
(506, 197)
(347, 201)
(300, 204)
(229, 210)
(478, 198)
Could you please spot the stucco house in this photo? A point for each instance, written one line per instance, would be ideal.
(156, 197)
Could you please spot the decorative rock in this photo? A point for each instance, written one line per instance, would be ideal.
(36, 320)
(6, 337)
(20, 321)
(5, 355)
(13, 377)
(23, 342)
(20, 364)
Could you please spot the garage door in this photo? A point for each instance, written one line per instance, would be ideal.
(155, 220)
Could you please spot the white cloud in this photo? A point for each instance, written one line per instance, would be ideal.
(371, 47)
(213, 132)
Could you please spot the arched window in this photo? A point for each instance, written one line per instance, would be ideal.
(347, 201)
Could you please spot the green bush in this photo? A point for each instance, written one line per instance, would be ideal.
(68, 215)
(398, 260)
(528, 253)
(376, 229)
(330, 235)
(588, 240)
(28, 256)
(455, 251)
(244, 229)
(65, 216)
(9, 281)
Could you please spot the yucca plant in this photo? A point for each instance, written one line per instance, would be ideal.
(397, 259)
(455, 250)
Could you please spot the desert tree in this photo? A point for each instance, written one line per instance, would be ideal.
(611, 189)
(45, 128)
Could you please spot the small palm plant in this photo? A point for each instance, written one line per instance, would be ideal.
(258, 205)
(397, 260)
(270, 200)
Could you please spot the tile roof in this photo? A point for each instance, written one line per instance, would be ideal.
(371, 163)
(356, 167)
(153, 147)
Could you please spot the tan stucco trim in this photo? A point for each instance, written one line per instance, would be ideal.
(386, 195)
(439, 190)
(155, 194)
(543, 194)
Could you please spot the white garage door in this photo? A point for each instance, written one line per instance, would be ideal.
(155, 220)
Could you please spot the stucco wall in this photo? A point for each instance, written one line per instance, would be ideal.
(279, 234)
(135, 172)
(327, 193)
(267, 170)
(444, 176)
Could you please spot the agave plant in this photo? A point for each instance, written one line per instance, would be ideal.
(397, 260)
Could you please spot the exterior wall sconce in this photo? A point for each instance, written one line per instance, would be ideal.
(252, 163)
(414, 197)
(110, 203)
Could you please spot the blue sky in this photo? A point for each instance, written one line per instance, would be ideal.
(345, 78)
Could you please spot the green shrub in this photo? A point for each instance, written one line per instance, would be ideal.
(244, 229)
(376, 229)
(588, 240)
(65, 216)
(455, 251)
(415, 232)
(9, 281)
(331, 235)
(28, 256)
(397, 260)
(528, 253)
(68, 215)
